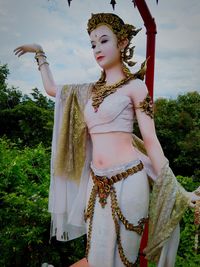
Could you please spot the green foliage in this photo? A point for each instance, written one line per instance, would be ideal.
(178, 129)
(24, 219)
(30, 124)
(26, 120)
(186, 254)
(8, 97)
(4, 71)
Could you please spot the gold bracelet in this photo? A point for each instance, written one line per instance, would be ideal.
(38, 56)
(42, 64)
(39, 51)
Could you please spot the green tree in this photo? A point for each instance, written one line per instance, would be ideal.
(178, 129)
(24, 219)
(27, 120)
(9, 98)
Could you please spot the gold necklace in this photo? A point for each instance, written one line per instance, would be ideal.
(101, 91)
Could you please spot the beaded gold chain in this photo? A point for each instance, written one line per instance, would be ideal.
(114, 207)
(117, 215)
(89, 214)
(116, 211)
(104, 184)
(100, 90)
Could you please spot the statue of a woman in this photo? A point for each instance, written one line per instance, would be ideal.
(100, 171)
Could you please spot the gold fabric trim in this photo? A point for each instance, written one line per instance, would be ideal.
(139, 144)
(71, 152)
(168, 203)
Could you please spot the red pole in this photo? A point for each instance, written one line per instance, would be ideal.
(150, 25)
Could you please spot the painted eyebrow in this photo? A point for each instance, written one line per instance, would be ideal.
(100, 38)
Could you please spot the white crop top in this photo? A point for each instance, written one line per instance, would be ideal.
(114, 114)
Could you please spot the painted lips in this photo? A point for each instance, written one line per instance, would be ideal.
(100, 57)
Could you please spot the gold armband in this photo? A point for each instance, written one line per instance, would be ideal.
(40, 54)
(146, 106)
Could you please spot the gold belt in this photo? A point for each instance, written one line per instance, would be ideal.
(104, 184)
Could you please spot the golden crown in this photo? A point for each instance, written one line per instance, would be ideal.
(114, 22)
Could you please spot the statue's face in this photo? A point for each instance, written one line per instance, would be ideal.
(105, 47)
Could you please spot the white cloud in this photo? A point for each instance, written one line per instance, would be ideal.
(62, 33)
(3, 29)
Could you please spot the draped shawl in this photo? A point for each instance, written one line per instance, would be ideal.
(71, 156)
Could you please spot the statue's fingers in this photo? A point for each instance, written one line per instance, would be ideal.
(192, 205)
(17, 49)
(21, 53)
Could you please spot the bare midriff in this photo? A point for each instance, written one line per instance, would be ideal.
(110, 149)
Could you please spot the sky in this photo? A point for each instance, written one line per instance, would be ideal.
(61, 31)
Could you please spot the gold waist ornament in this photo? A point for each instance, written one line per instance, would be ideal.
(103, 187)
(104, 184)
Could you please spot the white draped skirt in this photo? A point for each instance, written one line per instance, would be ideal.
(133, 199)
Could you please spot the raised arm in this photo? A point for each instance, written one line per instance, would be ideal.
(43, 65)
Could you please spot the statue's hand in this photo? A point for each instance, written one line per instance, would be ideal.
(27, 48)
(194, 196)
